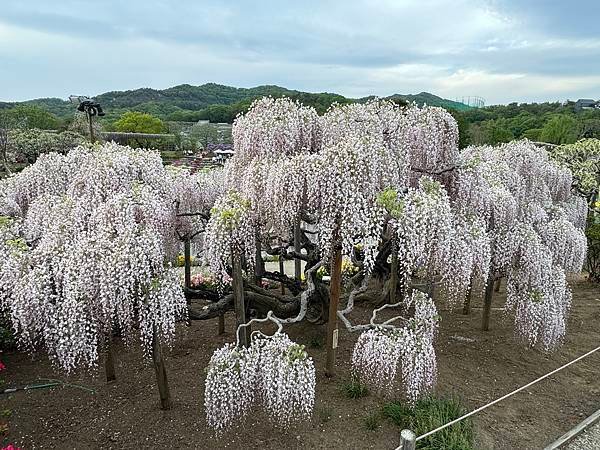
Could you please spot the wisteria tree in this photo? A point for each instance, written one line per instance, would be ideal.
(87, 240)
(386, 187)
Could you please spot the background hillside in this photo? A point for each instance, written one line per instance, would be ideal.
(156, 111)
(212, 101)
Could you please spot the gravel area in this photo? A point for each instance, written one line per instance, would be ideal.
(588, 440)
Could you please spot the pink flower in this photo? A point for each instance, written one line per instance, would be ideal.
(2, 367)
(10, 446)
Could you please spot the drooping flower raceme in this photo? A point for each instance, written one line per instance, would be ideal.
(534, 226)
(274, 373)
(380, 350)
(229, 232)
(87, 241)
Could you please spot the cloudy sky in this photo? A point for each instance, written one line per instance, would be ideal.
(502, 50)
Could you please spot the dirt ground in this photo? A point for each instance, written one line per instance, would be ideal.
(125, 413)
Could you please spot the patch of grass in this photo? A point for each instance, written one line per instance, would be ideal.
(6, 413)
(324, 414)
(315, 342)
(429, 414)
(354, 389)
(372, 421)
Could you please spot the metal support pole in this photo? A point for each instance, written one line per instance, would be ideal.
(407, 440)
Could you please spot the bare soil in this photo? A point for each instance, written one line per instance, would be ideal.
(125, 414)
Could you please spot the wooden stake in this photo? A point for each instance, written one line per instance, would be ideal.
(187, 258)
(487, 304)
(297, 249)
(282, 270)
(393, 275)
(161, 373)
(221, 324)
(109, 363)
(497, 287)
(467, 303)
(259, 264)
(238, 297)
(334, 300)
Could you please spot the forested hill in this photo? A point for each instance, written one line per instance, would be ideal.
(186, 102)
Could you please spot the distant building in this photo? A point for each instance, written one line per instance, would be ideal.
(586, 103)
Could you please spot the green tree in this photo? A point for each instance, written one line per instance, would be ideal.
(464, 138)
(498, 131)
(138, 122)
(560, 129)
(31, 116)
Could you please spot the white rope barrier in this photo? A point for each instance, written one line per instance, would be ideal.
(423, 436)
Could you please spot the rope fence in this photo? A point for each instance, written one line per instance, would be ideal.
(408, 439)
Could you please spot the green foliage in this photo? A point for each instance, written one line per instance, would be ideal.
(25, 145)
(560, 129)
(354, 389)
(315, 342)
(464, 139)
(498, 131)
(373, 421)
(593, 255)
(138, 122)
(31, 116)
(7, 338)
(429, 414)
(583, 159)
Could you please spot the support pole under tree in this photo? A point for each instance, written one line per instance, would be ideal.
(394, 275)
(407, 440)
(297, 249)
(187, 262)
(497, 286)
(89, 116)
(161, 373)
(221, 324)
(259, 264)
(487, 303)
(238, 298)
(282, 269)
(109, 362)
(467, 303)
(334, 300)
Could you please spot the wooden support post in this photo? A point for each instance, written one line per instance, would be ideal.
(259, 264)
(297, 249)
(407, 440)
(334, 300)
(161, 373)
(467, 303)
(109, 362)
(238, 297)
(497, 287)
(282, 270)
(187, 262)
(221, 324)
(394, 275)
(487, 303)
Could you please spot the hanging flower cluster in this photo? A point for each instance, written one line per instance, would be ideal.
(274, 373)
(535, 228)
(229, 232)
(380, 350)
(87, 240)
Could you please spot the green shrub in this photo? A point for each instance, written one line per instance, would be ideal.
(354, 389)
(7, 339)
(429, 414)
(372, 421)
